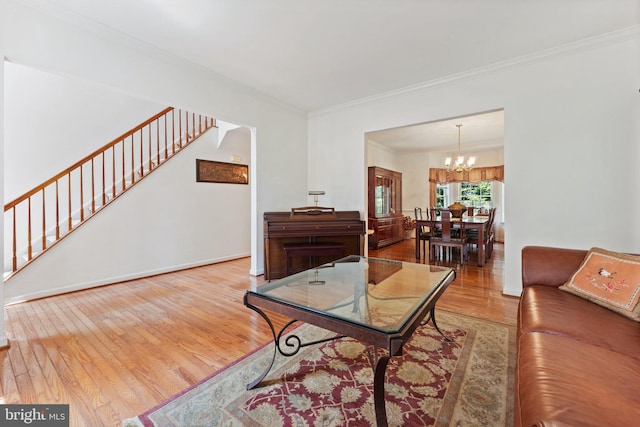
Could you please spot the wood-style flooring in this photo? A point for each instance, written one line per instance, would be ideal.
(113, 352)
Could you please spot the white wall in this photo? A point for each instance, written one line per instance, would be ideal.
(415, 181)
(193, 223)
(571, 143)
(52, 121)
(379, 155)
(3, 336)
(278, 132)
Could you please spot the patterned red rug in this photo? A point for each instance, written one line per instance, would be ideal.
(468, 381)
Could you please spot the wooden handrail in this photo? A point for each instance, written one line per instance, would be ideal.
(85, 159)
(102, 188)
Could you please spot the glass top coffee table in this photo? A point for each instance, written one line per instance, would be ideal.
(376, 301)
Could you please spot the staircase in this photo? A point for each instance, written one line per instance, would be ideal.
(37, 220)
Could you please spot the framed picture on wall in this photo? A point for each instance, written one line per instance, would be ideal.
(221, 172)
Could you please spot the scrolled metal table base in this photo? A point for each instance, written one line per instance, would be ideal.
(292, 344)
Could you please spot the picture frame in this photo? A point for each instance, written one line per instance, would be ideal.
(221, 172)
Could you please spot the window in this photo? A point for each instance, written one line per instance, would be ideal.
(477, 195)
(442, 195)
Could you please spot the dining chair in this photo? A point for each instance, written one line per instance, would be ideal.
(433, 213)
(424, 232)
(445, 238)
(489, 235)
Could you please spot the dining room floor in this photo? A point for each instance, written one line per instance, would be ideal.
(477, 291)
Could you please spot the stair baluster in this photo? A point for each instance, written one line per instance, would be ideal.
(143, 153)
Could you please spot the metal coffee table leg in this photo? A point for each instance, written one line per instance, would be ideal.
(378, 390)
(292, 343)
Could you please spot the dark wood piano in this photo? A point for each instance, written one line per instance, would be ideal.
(307, 237)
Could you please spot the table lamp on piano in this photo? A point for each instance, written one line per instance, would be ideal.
(315, 194)
(313, 210)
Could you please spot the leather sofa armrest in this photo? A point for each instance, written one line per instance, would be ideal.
(549, 266)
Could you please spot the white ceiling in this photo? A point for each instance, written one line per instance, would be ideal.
(479, 132)
(317, 54)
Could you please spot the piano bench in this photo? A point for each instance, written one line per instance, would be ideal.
(311, 250)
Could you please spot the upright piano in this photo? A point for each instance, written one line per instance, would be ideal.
(312, 232)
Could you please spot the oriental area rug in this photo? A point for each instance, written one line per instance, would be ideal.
(465, 382)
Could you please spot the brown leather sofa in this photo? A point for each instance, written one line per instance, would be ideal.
(578, 364)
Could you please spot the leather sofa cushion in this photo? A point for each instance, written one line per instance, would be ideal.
(547, 309)
(564, 381)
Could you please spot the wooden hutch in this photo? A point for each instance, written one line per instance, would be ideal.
(385, 207)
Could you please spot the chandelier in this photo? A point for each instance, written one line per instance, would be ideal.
(460, 164)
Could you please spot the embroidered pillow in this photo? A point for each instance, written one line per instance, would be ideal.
(609, 279)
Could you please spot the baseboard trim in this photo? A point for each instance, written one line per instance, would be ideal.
(116, 279)
(512, 292)
(256, 272)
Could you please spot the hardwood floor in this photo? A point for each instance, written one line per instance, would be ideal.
(477, 291)
(115, 351)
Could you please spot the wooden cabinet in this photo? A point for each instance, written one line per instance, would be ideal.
(386, 231)
(385, 207)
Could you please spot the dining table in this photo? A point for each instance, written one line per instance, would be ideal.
(478, 222)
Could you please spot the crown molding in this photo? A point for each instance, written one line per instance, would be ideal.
(381, 147)
(590, 43)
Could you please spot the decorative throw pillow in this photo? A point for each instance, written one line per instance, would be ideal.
(610, 279)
